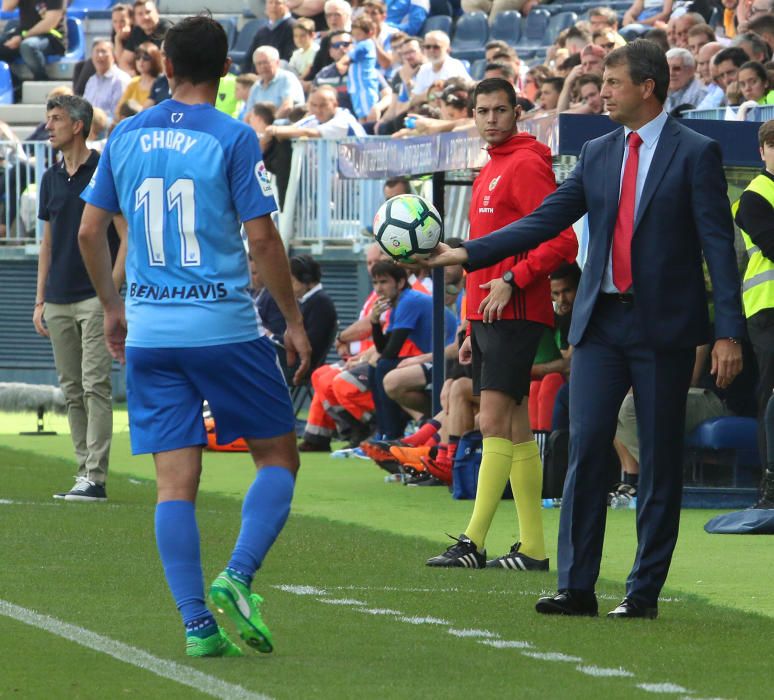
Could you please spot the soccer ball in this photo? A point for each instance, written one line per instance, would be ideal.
(408, 227)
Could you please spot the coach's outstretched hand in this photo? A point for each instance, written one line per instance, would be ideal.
(115, 329)
(298, 349)
(444, 255)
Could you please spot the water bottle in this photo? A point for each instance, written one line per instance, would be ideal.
(410, 122)
(393, 479)
(552, 503)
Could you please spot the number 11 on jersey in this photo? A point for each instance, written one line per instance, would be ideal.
(180, 197)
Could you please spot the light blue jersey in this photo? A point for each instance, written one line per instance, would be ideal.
(362, 78)
(185, 177)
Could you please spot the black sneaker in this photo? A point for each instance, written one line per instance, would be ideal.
(463, 554)
(86, 491)
(517, 561)
(621, 489)
(430, 480)
(763, 504)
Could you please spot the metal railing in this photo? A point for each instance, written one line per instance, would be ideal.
(22, 165)
(761, 113)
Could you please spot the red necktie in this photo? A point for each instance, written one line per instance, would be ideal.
(624, 223)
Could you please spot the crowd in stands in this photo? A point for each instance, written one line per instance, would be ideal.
(367, 68)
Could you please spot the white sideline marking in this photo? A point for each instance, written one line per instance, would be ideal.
(302, 590)
(455, 589)
(662, 688)
(473, 633)
(600, 672)
(379, 611)
(505, 643)
(9, 502)
(551, 656)
(428, 620)
(485, 637)
(179, 673)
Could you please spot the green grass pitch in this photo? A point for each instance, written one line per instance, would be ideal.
(354, 611)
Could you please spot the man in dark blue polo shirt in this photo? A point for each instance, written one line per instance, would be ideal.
(66, 306)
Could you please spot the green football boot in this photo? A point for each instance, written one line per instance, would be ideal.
(217, 644)
(235, 600)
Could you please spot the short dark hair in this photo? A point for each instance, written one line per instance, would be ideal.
(658, 37)
(610, 15)
(734, 54)
(569, 271)
(766, 133)
(491, 85)
(183, 46)
(77, 108)
(337, 33)
(756, 41)
(390, 269)
(305, 269)
(761, 24)
(556, 81)
(401, 180)
(590, 79)
(645, 61)
(505, 68)
(698, 29)
(265, 110)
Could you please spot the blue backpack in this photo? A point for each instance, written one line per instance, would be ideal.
(467, 462)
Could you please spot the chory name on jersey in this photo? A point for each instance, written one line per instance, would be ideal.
(171, 139)
(192, 291)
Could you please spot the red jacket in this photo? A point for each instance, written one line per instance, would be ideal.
(511, 185)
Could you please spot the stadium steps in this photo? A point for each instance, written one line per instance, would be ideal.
(35, 91)
(21, 114)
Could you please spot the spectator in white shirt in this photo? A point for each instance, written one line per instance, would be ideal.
(440, 65)
(306, 47)
(325, 119)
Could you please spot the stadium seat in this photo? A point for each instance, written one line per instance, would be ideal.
(729, 441)
(477, 69)
(229, 25)
(81, 8)
(533, 28)
(441, 7)
(577, 7)
(6, 85)
(556, 24)
(442, 23)
(506, 27)
(470, 36)
(245, 39)
(76, 43)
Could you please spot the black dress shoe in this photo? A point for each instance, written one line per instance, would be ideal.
(629, 609)
(569, 602)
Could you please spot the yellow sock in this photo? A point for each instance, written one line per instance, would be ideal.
(527, 485)
(496, 458)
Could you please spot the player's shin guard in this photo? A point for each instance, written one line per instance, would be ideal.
(177, 538)
(527, 486)
(493, 475)
(264, 512)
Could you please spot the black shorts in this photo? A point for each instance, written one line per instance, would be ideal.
(503, 355)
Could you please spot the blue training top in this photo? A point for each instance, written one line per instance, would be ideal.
(185, 176)
(414, 311)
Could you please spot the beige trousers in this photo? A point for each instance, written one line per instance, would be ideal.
(83, 364)
(492, 8)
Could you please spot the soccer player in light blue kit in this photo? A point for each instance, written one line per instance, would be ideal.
(185, 176)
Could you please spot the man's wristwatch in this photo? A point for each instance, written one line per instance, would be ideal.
(508, 278)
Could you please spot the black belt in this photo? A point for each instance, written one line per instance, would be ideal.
(619, 298)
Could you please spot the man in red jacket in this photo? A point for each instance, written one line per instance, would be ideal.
(509, 306)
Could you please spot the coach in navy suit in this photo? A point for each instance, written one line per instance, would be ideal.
(656, 199)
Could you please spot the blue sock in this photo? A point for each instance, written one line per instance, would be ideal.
(177, 537)
(264, 512)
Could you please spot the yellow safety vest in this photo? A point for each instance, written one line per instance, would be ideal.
(758, 284)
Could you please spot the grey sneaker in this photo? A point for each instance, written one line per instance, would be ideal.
(86, 491)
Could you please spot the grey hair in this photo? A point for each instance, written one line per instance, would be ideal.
(78, 109)
(684, 54)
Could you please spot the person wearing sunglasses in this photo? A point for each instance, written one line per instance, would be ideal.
(440, 65)
(148, 68)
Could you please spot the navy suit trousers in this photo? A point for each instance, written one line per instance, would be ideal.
(612, 357)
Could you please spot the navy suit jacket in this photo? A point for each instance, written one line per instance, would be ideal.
(683, 212)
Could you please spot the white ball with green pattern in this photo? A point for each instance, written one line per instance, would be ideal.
(408, 227)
